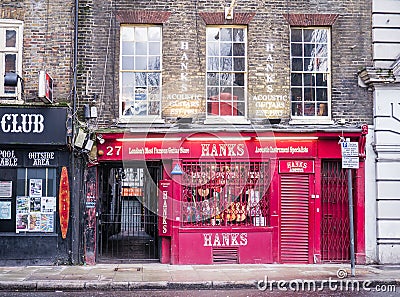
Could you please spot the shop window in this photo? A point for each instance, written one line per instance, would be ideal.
(226, 194)
(10, 56)
(30, 205)
(226, 71)
(310, 73)
(140, 71)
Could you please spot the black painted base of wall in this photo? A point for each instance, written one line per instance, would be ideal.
(30, 249)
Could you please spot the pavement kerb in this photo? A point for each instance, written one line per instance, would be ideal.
(162, 285)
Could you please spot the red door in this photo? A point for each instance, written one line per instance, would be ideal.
(295, 218)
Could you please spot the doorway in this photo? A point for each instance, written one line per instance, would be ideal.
(128, 230)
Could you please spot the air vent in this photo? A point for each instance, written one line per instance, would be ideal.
(225, 255)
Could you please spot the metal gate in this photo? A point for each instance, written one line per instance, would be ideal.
(128, 219)
(295, 218)
(335, 230)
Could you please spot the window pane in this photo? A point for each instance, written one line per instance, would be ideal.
(154, 63)
(308, 94)
(212, 34)
(141, 34)
(11, 38)
(238, 49)
(239, 79)
(308, 79)
(297, 94)
(154, 107)
(321, 80)
(127, 33)
(226, 79)
(226, 49)
(296, 35)
(154, 48)
(213, 64)
(226, 34)
(226, 64)
(127, 48)
(238, 35)
(140, 63)
(322, 94)
(128, 79)
(297, 64)
(212, 79)
(140, 79)
(239, 64)
(322, 109)
(128, 63)
(10, 64)
(141, 48)
(154, 79)
(213, 49)
(154, 33)
(297, 49)
(296, 79)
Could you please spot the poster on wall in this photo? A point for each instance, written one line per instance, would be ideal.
(5, 210)
(34, 221)
(35, 187)
(5, 189)
(35, 214)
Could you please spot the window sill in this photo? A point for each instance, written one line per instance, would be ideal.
(10, 100)
(141, 120)
(236, 120)
(311, 121)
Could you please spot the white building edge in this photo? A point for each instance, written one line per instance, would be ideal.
(382, 195)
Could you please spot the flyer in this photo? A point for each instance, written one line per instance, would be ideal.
(35, 204)
(34, 221)
(5, 210)
(22, 222)
(35, 187)
(47, 222)
(22, 204)
(48, 204)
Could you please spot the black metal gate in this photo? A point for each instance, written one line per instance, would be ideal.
(335, 232)
(128, 219)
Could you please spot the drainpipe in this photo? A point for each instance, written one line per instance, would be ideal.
(75, 205)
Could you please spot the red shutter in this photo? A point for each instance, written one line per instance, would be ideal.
(294, 218)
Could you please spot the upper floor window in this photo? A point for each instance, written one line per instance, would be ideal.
(310, 73)
(10, 55)
(226, 71)
(140, 71)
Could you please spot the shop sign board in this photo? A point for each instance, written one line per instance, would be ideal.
(164, 208)
(32, 125)
(350, 159)
(19, 158)
(114, 149)
(296, 166)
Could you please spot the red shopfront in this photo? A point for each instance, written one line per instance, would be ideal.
(246, 197)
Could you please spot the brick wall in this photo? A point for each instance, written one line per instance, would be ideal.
(268, 51)
(47, 45)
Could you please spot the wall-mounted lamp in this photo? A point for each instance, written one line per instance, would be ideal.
(229, 11)
(11, 80)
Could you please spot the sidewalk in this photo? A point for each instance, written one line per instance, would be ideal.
(163, 276)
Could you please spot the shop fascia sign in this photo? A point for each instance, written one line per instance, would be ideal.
(191, 147)
(33, 125)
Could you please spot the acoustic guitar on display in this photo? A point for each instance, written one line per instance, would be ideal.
(236, 212)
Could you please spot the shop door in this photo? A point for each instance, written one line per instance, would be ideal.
(295, 227)
(128, 220)
(335, 229)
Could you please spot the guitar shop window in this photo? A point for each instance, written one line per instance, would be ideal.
(225, 194)
(140, 71)
(10, 56)
(30, 205)
(226, 71)
(310, 73)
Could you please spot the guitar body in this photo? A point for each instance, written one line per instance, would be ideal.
(64, 202)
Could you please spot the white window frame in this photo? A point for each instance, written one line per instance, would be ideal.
(301, 118)
(18, 26)
(232, 119)
(139, 118)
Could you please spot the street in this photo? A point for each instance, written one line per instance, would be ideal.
(197, 293)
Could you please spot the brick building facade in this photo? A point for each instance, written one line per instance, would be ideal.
(216, 127)
(36, 36)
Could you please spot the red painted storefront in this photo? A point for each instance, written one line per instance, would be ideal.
(247, 197)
